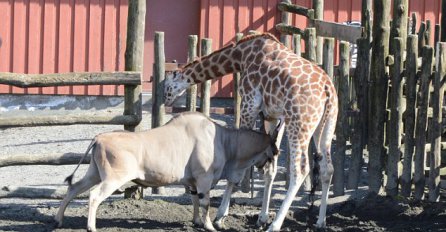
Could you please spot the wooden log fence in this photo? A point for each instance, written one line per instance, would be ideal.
(131, 79)
(130, 119)
(400, 156)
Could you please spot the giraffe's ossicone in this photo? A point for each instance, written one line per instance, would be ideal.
(281, 85)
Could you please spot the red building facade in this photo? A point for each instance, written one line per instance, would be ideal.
(56, 36)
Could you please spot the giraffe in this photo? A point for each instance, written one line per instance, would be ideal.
(284, 87)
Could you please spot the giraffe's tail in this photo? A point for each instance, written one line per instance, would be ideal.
(323, 138)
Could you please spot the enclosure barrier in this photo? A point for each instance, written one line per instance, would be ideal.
(131, 79)
(49, 80)
(410, 149)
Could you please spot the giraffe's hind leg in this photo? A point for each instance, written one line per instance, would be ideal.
(299, 139)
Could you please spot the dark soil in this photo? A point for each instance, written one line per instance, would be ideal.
(175, 214)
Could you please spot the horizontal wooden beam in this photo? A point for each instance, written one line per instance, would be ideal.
(213, 110)
(63, 79)
(326, 29)
(300, 10)
(337, 30)
(42, 159)
(70, 119)
(287, 29)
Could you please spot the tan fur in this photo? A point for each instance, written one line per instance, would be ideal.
(190, 150)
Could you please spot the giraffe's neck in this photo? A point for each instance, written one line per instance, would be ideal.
(217, 64)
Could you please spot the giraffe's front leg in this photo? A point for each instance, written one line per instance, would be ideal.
(299, 169)
(270, 174)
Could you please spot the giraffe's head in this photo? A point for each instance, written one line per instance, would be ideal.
(174, 86)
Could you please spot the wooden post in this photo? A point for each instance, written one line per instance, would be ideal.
(237, 97)
(420, 127)
(191, 97)
(328, 56)
(443, 21)
(310, 44)
(437, 33)
(296, 45)
(361, 82)
(158, 110)
(428, 33)
(342, 123)
(318, 6)
(421, 37)
(399, 23)
(284, 38)
(378, 90)
(395, 123)
(413, 29)
(134, 62)
(134, 58)
(436, 130)
(205, 104)
(158, 85)
(310, 54)
(409, 121)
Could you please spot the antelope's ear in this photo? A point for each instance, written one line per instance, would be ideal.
(176, 73)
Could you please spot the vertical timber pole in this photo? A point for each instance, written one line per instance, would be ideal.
(436, 130)
(379, 78)
(419, 179)
(328, 56)
(342, 122)
(399, 23)
(134, 54)
(296, 45)
(237, 97)
(284, 38)
(409, 121)
(318, 6)
(310, 44)
(443, 21)
(205, 104)
(158, 85)
(158, 110)
(395, 123)
(361, 82)
(191, 97)
(310, 54)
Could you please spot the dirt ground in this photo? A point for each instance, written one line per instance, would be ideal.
(173, 211)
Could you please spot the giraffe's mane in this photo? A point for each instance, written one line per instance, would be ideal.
(199, 59)
(231, 45)
(254, 36)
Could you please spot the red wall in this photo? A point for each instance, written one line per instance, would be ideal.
(54, 36)
(50, 36)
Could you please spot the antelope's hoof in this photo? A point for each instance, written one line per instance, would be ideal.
(220, 224)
